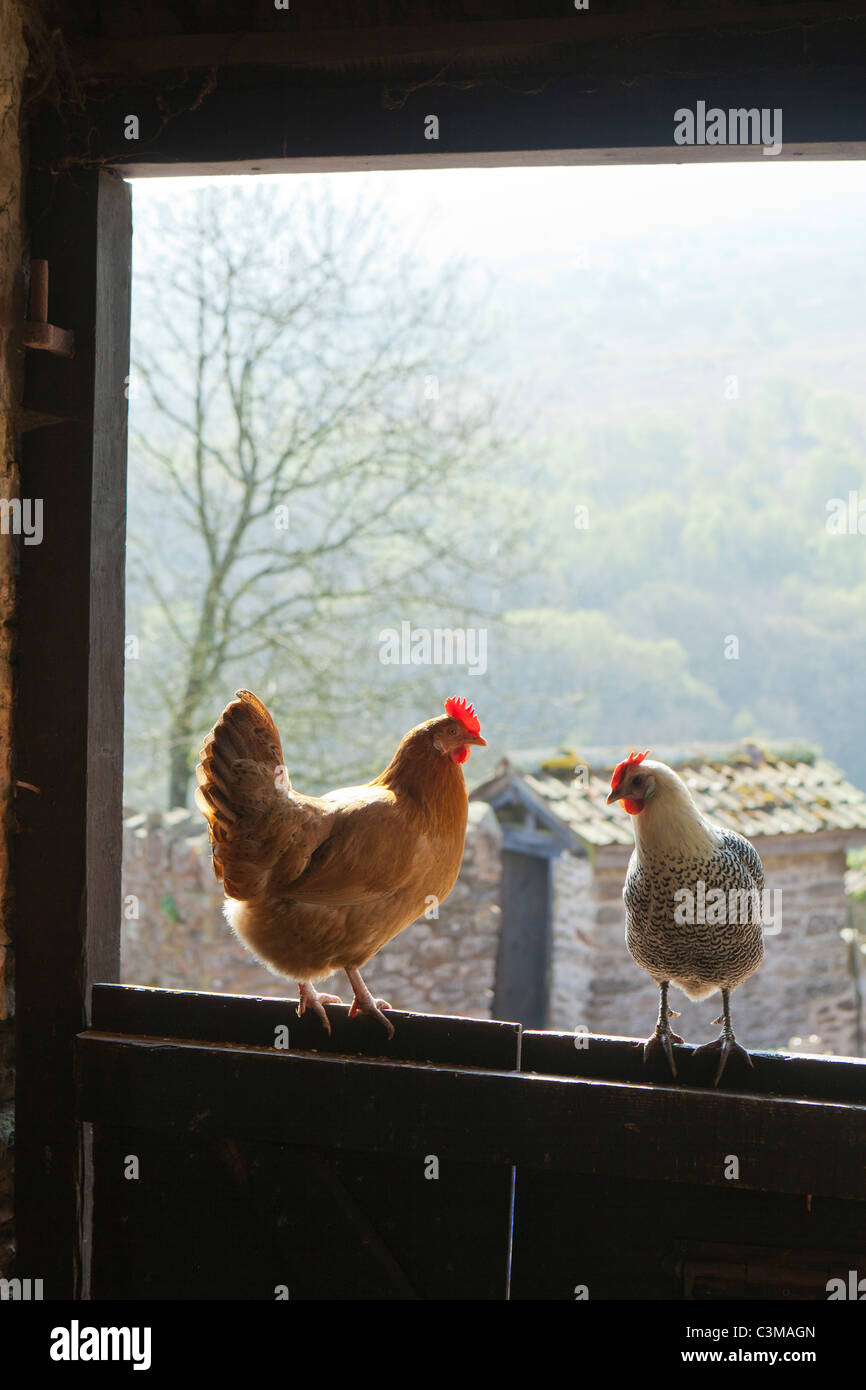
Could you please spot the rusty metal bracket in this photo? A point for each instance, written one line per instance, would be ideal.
(38, 332)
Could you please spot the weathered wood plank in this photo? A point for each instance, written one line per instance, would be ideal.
(604, 101)
(231, 1018)
(370, 1224)
(656, 1240)
(225, 1218)
(69, 711)
(621, 1059)
(556, 1123)
(293, 42)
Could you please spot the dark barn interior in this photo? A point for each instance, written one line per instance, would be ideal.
(559, 1168)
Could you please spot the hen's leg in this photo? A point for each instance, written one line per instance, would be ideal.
(727, 1043)
(364, 1003)
(310, 998)
(663, 1034)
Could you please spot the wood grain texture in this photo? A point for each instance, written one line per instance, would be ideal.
(228, 1018)
(840, 1079)
(620, 1184)
(223, 1214)
(69, 719)
(586, 86)
(555, 1123)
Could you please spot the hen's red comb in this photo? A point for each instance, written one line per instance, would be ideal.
(622, 768)
(458, 709)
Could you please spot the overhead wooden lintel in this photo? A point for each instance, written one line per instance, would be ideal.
(475, 40)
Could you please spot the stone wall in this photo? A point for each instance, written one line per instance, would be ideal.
(174, 933)
(597, 986)
(803, 997)
(13, 61)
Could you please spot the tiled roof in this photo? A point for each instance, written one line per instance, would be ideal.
(757, 791)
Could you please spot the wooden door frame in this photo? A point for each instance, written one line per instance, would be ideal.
(69, 704)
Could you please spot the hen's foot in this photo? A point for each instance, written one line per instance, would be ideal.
(364, 1003)
(310, 998)
(663, 1037)
(725, 1045)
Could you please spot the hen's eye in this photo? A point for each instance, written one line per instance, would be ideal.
(638, 781)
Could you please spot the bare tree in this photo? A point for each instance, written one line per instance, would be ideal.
(307, 452)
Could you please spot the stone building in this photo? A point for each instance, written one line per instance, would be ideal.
(563, 962)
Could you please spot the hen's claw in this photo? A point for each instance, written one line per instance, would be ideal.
(359, 1007)
(663, 1036)
(310, 998)
(373, 1007)
(726, 1045)
(364, 1003)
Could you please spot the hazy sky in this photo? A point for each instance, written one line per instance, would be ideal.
(499, 215)
(760, 281)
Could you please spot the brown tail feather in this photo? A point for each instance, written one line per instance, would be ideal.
(246, 810)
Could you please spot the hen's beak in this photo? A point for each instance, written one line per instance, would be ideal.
(615, 796)
(476, 738)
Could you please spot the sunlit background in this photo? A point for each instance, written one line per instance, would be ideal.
(607, 425)
(674, 349)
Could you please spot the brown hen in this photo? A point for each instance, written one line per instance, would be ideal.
(318, 884)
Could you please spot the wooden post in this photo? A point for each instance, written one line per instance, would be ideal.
(69, 713)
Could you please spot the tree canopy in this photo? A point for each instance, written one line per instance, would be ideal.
(621, 469)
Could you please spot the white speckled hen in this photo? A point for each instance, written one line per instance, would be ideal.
(693, 897)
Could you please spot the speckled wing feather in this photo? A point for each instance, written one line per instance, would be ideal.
(743, 850)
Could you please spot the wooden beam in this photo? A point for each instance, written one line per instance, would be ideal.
(552, 1123)
(607, 156)
(649, 1240)
(390, 1233)
(525, 841)
(288, 44)
(233, 1018)
(69, 714)
(618, 108)
(839, 1079)
(537, 806)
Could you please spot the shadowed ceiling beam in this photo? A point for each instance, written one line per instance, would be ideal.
(471, 41)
